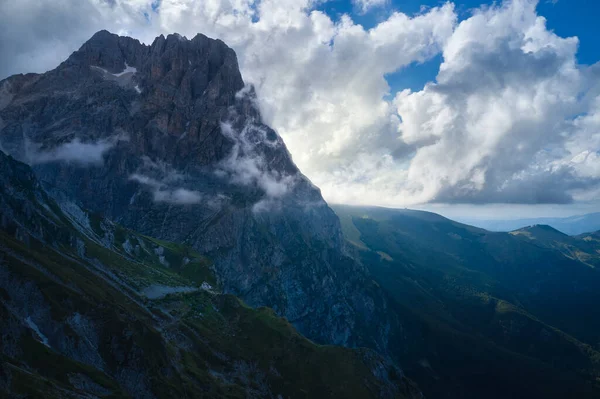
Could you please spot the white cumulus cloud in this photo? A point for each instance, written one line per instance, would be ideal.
(511, 117)
(503, 121)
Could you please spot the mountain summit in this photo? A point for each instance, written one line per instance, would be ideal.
(167, 140)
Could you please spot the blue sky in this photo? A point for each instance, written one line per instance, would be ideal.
(565, 17)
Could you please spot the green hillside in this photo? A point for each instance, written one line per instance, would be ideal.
(90, 308)
(502, 315)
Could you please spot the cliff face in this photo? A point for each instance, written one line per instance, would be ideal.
(166, 140)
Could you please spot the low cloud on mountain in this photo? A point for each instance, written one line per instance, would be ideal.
(165, 184)
(165, 193)
(511, 117)
(247, 167)
(73, 151)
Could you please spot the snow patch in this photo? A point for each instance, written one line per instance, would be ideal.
(31, 324)
(128, 69)
(137, 88)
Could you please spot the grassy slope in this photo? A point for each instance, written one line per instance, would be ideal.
(81, 280)
(232, 349)
(583, 248)
(478, 334)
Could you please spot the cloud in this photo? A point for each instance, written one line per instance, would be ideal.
(165, 184)
(74, 151)
(179, 196)
(246, 165)
(509, 117)
(164, 193)
(366, 5)
(498, 125)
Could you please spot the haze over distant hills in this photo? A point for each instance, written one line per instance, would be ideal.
(571, 225)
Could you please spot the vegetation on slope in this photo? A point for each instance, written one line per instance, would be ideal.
(497, 316)
(90, 308)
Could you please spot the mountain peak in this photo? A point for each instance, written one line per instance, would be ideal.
(102, 35)
(161, 139)
(199, 57)
(108, 51)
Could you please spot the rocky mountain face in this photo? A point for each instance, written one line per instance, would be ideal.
(90, 309)
(167, 140)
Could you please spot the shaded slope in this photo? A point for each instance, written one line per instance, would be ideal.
(489, 303)
(90, 308)
(584, 248)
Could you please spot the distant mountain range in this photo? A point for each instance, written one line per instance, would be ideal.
(572, 225)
